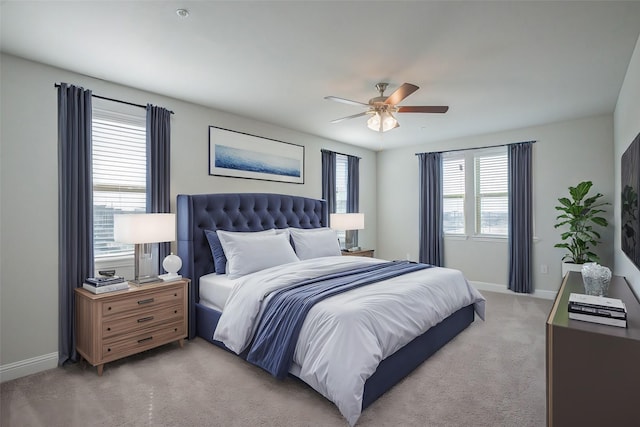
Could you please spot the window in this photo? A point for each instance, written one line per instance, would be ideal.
(492, 193)
(453, 191)
(119, 173)
(475, 192)
(342, 182)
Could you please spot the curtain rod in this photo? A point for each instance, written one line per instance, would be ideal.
(477, 148)
(116, 100)
(342, 154)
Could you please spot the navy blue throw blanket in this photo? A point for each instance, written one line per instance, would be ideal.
(277, 335)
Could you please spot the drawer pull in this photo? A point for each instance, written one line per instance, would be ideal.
(108, 350)
(144, 339)
(145, 301)
(108, 329)
(145, 319)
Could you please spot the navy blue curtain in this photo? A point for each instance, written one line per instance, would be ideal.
(75, 209)
(430, 210)
(329, 179)
(159, 168)
(520, 217)
(353, 190)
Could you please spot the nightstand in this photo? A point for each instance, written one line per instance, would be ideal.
(118, 324)
(361, 252)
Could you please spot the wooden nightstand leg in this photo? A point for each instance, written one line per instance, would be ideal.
(181, 342)
(100, 369)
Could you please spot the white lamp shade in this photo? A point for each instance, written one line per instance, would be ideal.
(347, 221)
(144, 228)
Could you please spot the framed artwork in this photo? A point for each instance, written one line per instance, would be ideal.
(629, 203)
(241, 155)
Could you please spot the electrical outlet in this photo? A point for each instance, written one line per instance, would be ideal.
(544, 269)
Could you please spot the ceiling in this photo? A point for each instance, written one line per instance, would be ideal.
(498, 65)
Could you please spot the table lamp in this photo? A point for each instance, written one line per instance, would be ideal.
(348, 222)
(144, 229)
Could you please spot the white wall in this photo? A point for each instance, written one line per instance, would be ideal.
(29, 193)
(565, 153)
(626, 127)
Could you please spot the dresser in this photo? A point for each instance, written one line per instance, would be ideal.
(118, 324)
(593, 370)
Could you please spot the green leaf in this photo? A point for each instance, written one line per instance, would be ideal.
(600, 221)
(581, 190)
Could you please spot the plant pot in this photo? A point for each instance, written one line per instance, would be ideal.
(570, 266)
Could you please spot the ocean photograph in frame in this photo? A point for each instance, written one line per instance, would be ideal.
(242, 155)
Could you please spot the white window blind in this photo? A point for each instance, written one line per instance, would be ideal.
(453, 193)
(492, 192)
(342, 181)
(119, 174)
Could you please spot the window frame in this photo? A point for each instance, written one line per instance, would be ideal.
(472, 200)
(456, 156)
(342, 185)
(105, 110)
(500, 151)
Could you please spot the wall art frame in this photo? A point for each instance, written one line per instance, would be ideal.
(629, 201)
(242, 155)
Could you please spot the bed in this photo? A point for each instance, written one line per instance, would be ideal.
(254, 212)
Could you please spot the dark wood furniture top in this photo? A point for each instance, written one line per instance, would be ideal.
(593, 370)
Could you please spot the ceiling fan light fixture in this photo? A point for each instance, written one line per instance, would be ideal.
(382, 121)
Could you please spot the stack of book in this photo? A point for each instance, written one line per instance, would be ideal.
(100, 285)
(603, 310)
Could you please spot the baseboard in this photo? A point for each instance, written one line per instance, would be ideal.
(26, 367)
(493, 287)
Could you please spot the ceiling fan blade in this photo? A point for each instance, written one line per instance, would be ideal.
(349, 117)
(401, 93)
(346, 101)
(424, 109)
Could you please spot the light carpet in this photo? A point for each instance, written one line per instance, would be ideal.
(492, 374)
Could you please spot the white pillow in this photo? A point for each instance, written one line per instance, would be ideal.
(249, 253)
(284, 231)
(315, 242)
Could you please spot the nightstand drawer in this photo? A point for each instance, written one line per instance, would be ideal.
(142, 319)
(143, 301)
(143, 340)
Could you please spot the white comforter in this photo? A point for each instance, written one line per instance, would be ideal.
(345, 337)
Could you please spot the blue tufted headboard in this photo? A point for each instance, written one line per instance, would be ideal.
(234, 212)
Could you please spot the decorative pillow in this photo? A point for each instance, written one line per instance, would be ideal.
(219, 258)
(248, 253)
(315, 242)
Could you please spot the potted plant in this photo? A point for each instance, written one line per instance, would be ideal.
(580, 213)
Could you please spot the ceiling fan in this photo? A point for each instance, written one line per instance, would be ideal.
(381, 108)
